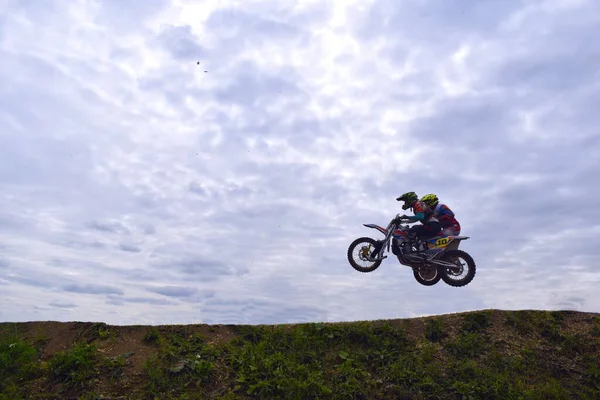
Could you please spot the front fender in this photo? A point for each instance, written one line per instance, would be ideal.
(379, 228)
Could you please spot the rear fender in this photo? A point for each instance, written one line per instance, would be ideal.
(445, 242)
(455, 241)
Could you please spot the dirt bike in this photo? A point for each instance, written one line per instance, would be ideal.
(430, 259)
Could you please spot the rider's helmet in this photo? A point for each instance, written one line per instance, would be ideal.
(409, 198)
(431, 200)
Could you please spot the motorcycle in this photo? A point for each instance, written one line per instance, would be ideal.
(430, 259)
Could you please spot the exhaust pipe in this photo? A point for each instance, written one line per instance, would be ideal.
(443, 263)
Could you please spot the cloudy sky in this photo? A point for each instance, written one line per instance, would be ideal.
(210, 162)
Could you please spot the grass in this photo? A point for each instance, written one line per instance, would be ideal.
(487, 354)
(17, 363)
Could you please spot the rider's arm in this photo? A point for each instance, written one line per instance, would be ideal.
(419, 213)
(417, 217)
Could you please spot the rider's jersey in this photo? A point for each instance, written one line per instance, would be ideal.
(445, 215)
(423, 213)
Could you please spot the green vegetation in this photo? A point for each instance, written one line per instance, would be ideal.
(434, 330)
(74, 367)
(17, 363)
(478, 355)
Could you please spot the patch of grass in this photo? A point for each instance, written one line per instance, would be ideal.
(549, 325)
(10, 392)
(17, 362)
(270, 362)
(434, 330)
(595, 331)
(314, 360)
(183, 363)
(476, 322)
(102, 331)
(549, 389)
(112, 367)
(591, 374)
(518, 321)
(546, 324)
(75, 366)
(466, 345)
(152, 336)
(576, 345)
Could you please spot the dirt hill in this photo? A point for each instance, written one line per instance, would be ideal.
(487, 354)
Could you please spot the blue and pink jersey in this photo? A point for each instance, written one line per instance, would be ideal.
(447, 219)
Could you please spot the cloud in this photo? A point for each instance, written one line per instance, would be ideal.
(111, 227)
(91, 289)
(181, 43)
(129, 248)
(213, 163)
(61, 305)
(121, 301)
(174, 291)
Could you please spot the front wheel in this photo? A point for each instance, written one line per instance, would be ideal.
(358, 252)
(463, 273)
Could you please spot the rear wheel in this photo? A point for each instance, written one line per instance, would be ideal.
(358, 252)
(464, 271)
(427, 276)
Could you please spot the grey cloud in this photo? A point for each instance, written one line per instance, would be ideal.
(181, 43)
(559, 72)
(92, 288)
(142, 274)
(148, 229)
(129, 15)
(174, 291)
(421, 20)
(197, 188)
(13, 223)
(82, 244)
(129, 248)
(175, 84)
(121, 300)
(203, 267)
(232, 22)
(110, 227)
(149, 300)
(115, 300)
(39, 280)
(252, 85)
(59, 304)
(40, 168)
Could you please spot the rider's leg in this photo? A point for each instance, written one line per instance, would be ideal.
(452, 230)
(431, 229)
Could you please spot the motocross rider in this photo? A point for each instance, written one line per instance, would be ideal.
(423, 213)
(442, 213)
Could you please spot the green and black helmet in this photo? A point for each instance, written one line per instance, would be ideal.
(409, 198)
